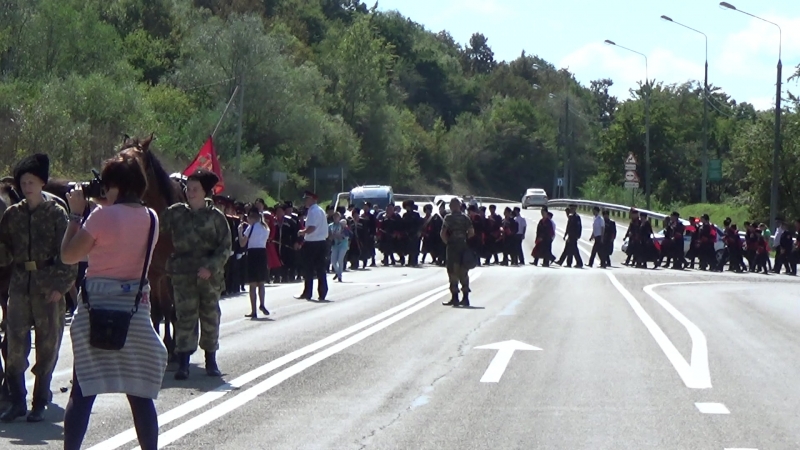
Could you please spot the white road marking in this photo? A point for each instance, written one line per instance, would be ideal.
(712, 408)
(505, 350)
(211, 396)
(693, 377)
(216, 412)
(740, 448)
(511, 309)
(699, 358)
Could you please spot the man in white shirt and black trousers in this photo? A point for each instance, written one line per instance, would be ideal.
(598, 229)
(314, 235)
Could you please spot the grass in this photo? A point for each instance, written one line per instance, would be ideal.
(717, 212)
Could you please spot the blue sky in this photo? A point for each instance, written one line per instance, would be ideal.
(742, 51)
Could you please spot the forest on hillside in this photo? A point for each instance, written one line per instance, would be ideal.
(337, 87)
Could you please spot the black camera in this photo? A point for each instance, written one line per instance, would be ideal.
(94, 188)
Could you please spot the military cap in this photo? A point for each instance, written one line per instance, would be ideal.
(309, 194)
(37, 165)
(206, 178)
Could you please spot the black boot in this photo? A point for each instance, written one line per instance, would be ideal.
(37, 412)
(465, 298)
(453, 300)
(211, 365)
(183, 367)
(18, 406)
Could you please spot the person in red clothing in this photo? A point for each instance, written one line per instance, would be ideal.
(544, 240)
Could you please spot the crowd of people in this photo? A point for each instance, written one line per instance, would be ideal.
(97, 255)
(745, 250)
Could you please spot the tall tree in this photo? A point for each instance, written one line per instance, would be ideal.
(480, 55)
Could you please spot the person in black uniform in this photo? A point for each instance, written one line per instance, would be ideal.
(572, 235)
(412, 225)
(707, 235)
(609, 235)
(287, 238)
(632, 235)
(647, 248)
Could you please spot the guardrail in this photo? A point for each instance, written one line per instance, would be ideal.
(430, 198)
(614, 210)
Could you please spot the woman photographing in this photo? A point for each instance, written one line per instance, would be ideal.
(253, 236)
(118, 238)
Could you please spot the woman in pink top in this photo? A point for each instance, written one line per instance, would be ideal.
(115, 238)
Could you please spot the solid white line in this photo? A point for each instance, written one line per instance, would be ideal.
(252, 393)
(699, 358)
(211, 396)
(689, 377)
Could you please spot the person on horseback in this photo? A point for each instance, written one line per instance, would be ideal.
(202, 240)
(30, 241)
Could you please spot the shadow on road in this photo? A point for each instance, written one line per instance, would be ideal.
(20, 432)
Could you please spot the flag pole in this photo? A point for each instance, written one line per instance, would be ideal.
(225, 111)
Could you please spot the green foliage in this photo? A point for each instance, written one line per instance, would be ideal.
(329, 84)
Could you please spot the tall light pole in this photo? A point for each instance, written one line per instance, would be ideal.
(646, 123)
(704, 178)
(776, 151)
(565, 180)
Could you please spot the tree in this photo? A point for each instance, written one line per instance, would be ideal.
(480, 55)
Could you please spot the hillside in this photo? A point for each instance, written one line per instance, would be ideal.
(332, 84)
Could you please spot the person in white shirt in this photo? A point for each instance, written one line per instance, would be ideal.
(253, 236)
(598, 229)
(314, 249)
(522, 227)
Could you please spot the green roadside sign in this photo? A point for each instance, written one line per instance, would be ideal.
(714, 170)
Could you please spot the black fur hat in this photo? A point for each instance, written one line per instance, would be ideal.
(38, 165)
(206, 178)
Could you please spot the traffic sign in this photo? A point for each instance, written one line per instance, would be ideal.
(630, 166)
(631, 175)
(714, 170)
(630, 159)
(560, 182)
(632, 184)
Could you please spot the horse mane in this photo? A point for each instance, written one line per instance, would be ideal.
(164, 184)
(163, 181)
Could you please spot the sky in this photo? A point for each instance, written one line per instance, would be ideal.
(742, 51)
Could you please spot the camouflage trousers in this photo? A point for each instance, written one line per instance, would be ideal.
(47, 319)
(196, 301)
(456, 273)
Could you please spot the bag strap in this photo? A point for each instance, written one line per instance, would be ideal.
(146, 264)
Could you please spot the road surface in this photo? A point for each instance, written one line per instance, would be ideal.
(577, 359)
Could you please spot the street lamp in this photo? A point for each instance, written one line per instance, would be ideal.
(773, 198)
(704, 178)
(646, 123)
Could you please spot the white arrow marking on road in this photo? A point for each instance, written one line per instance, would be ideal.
(500, 361)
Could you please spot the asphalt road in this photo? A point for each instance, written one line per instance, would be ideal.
(605, 359)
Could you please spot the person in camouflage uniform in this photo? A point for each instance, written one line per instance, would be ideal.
(30, 241)
(456, 229)
(202, 241)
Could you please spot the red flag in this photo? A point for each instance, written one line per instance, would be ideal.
(207, 159)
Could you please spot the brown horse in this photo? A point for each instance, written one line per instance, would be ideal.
(161, 193)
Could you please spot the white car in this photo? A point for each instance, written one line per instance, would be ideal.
(534, 197)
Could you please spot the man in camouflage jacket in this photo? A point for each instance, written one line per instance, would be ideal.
(30, 241)
(202, 240)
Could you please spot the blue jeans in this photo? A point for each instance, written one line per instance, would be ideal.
(338, 253)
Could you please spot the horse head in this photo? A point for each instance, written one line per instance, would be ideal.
(161, 191)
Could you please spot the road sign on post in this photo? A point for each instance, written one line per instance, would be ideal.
(631, 177)
(560, 182)
(714, 170)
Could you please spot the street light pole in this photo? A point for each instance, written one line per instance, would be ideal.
(646, 123)
(704, 177)
(776, 151)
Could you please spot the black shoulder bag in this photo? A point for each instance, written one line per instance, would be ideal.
(108, 328)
